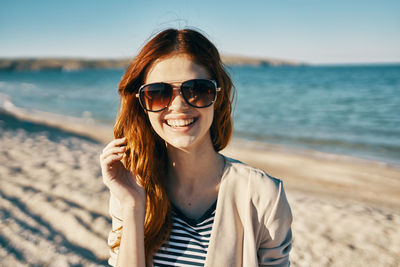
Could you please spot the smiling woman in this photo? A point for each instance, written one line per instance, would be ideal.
(174, 199)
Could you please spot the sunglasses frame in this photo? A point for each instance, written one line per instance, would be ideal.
(217, 89)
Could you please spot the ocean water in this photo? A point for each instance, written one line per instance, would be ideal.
(351, 110)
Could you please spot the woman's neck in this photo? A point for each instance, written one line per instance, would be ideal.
(194, 169)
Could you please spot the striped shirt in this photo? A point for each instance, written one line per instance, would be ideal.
(188, 241)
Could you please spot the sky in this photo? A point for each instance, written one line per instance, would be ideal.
(309, 31)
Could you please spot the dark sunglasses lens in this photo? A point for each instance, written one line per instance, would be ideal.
(199, 93)
(156, 96)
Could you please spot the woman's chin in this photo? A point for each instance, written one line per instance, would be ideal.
(182, 142)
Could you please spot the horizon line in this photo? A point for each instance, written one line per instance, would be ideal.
(261, 58)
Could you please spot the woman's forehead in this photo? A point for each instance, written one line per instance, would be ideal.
(176, 68)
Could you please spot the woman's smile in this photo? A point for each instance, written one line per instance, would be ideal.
(180, 123)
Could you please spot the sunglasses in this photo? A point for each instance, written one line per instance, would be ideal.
(198, 93)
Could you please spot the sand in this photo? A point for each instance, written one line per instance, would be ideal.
(54, 207)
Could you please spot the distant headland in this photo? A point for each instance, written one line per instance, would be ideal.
(62, 64)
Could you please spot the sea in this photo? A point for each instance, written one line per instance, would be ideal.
(351, 110)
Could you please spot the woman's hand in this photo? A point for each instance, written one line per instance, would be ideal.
(121, 182)
(132, 196)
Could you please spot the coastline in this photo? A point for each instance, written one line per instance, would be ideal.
(345, 210)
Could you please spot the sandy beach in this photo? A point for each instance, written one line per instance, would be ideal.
(54, 207)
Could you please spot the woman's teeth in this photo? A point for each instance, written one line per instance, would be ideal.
(180, 123)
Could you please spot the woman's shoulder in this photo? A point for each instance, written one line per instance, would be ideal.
(245, 188)
(246, 173)
(259, 184)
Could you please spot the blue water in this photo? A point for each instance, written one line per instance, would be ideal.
(352, 110)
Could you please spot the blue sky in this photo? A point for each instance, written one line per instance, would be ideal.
(313, 31)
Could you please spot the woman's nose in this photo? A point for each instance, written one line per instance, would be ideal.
(177, 101)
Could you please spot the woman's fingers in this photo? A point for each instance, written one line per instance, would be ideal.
(112, 154)
(115, 148)
(115, 142)
(120, 181)
(112, 158)
(112, 150)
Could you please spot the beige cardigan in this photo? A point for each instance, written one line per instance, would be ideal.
(252, 224)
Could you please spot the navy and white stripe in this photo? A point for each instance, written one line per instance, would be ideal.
(188, 242)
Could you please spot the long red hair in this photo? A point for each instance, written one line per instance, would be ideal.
(146, 155)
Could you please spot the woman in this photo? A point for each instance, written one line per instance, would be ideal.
(174, 198)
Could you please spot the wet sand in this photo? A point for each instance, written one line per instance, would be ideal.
(54, 207)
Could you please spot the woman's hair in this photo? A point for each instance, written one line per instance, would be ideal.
(146, 154)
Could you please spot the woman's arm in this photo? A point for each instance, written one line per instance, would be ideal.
(132, 203)
(277, 234)
(131, 251)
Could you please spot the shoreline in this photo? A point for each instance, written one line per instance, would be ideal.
(311, 153)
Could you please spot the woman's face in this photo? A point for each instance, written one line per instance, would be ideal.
(180, 125)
